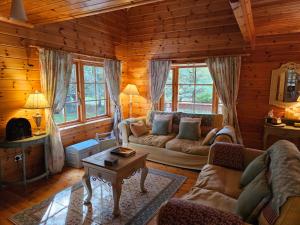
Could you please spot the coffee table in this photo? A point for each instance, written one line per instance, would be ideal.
(126, 167)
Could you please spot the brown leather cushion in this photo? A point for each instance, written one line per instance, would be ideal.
(152, 140)
(212, 199)
(138, 129)
(187, 146)
(221, 179)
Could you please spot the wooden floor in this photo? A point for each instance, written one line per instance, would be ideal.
(15, 199)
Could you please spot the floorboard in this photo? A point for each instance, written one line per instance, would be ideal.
(15, 199)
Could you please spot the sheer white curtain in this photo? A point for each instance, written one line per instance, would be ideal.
(56, 69)
(112, 73)
(225, 72)
(159, 71)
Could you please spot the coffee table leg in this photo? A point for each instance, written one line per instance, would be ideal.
(87, 184)
(117, 189)
(143, 178)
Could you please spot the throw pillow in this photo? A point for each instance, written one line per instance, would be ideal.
(188, 130)
(168, 117)
(138, 129)
(190, 119)
(160, 127)
(208, 140)
(253, 169)
(251, 197)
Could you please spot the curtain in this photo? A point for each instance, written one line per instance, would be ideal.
(159, 71)
(112, 73)
(225, 72)
(56, 70)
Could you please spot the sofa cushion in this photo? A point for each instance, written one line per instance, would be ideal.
(195, 120)
(168, 117)
(212, 199)
(221, 179)
(138, 129)
(189, 131)
(209, 138)
(253, 169)
(254, 193)
(187, 146)
(160, 127)
(152, 140)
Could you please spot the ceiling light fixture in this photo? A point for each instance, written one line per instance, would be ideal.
(18, 15)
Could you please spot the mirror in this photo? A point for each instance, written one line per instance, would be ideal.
(285, 85)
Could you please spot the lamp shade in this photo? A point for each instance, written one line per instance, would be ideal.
(131, 89)
(298, 99)
(36, 100)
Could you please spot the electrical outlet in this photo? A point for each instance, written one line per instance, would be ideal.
(18, 157)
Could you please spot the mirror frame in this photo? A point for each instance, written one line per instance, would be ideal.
(276, 75)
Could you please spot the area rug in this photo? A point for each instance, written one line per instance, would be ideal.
(66, 207)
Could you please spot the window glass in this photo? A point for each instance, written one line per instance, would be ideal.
(95, 91)
(70, 111)
(168, 94)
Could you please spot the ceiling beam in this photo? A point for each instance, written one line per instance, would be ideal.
(243, 15)
(15, 22)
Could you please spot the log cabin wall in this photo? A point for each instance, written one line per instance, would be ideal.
(176, 30)
(102, 35)
(186, 30)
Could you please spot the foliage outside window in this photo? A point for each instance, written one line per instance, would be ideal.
(87, 95)
(190, 90)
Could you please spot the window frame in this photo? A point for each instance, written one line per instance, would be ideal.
(79, 64)
(175, 87)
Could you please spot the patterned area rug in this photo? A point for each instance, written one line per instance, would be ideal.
(66, 207)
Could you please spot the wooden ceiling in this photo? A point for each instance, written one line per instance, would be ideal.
(50, 11)
(254, 18)
(272, 17)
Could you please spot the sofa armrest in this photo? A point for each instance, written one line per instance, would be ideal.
(125, 129)
(250, 154)
(227, 155)
(183, 212)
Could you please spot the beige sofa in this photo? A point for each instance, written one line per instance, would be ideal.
(168, 149)
(218, 187)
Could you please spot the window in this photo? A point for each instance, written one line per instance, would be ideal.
(190, 89)
(95, 91)
(87, 95)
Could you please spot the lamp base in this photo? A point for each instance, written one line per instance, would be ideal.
(38, 119)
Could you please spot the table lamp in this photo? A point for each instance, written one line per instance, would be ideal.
(131, 90)
(37, 100)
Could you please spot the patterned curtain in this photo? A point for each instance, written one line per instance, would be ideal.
(112, 73)
(159, 71)
(56, 70)
(225, 72)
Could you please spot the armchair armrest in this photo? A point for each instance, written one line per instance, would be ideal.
(183, 212)
(227, 155)
(125, 129)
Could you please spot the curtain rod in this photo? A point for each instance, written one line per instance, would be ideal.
(200, 57)
(74, 53)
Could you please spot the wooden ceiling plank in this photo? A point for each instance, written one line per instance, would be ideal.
(243, 13)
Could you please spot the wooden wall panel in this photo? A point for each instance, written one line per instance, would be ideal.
(191, 31)
(178, 30)
(102, 36)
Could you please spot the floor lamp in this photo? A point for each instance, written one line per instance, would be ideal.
(131, 90)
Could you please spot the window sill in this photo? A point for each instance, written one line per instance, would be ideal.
(102, 120)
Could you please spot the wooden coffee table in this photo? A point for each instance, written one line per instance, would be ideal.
(126, 167)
